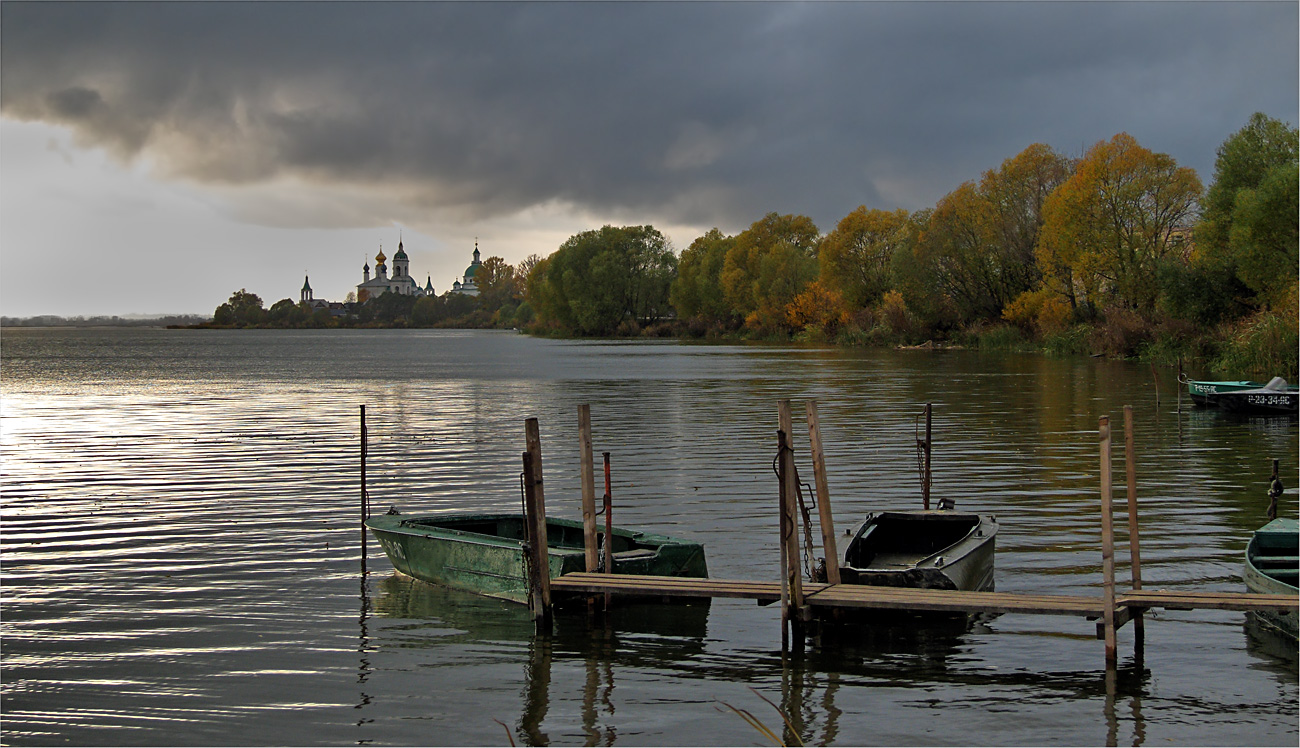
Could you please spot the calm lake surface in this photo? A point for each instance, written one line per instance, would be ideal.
(181, 550)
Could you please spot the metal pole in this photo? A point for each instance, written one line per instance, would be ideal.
(609, 529)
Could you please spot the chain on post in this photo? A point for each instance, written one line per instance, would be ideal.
(527, 546)
(809, 563)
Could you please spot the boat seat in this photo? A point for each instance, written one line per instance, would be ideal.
(1284, 576)
(1277, 561)
(634, 555)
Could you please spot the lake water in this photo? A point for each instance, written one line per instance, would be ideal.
(181, 548)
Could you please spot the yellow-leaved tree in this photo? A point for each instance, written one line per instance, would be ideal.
(855, 258)
(1106, 228)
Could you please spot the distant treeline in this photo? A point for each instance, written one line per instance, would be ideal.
(1119, 252)
(50, 320)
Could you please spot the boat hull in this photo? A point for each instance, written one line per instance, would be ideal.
(1260, 402)
(940, 550)
(484, 553)
(1205, 393)
(1272, 567)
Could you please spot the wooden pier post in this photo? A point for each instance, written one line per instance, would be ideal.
(588, 476)
(823, 495)
(796, 611)
(1107, 545)
(1130, 463)
(925, 473)
(539, 577)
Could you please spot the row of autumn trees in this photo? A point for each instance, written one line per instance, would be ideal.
(1122, 246)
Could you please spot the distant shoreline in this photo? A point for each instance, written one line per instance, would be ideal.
(52, 320)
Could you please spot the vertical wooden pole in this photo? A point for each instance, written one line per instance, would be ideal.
(1130, 464)
(823, 495)
(790, 511)
(588, 487)
(1107, 545)
(365, 503)
(535, 516)
(925, 477)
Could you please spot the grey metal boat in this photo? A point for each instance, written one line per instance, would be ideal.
(925, 549)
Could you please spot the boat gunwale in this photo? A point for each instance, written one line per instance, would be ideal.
(412, 526)
(981, 521)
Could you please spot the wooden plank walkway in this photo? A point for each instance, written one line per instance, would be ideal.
(1241, 601)
(895, 598)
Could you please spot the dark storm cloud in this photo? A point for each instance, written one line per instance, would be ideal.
(700, 113)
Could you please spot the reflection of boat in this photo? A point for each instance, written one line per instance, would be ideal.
(940, 549)
(1272, 567)
(1244, 396)
(484, 553)
(1274, 398)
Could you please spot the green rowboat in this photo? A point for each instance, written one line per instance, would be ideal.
(1272, 567)
(484, 553)
(1203, 392)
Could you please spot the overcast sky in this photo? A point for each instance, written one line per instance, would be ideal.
(156, 157)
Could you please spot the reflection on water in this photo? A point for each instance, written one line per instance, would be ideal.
(180, 548)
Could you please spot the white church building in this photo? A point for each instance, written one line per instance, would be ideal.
(469, 284)
(400, 282)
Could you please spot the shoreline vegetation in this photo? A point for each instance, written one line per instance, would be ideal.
(1118, 253)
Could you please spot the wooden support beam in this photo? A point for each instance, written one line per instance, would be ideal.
(823, 495)
(539, 596)
(588, 475)
(1130, 465)
(1107, 545)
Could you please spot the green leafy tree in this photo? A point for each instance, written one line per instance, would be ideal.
(242, 309)
(1248, 225)
(427, 311)
(697, 292)
(1264, 240)
(1242, 162)
(599, 279)
(393, 308)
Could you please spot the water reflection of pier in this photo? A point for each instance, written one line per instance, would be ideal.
(673, 640)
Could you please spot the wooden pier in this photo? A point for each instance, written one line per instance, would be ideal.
(803, 601)
(832, 596)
